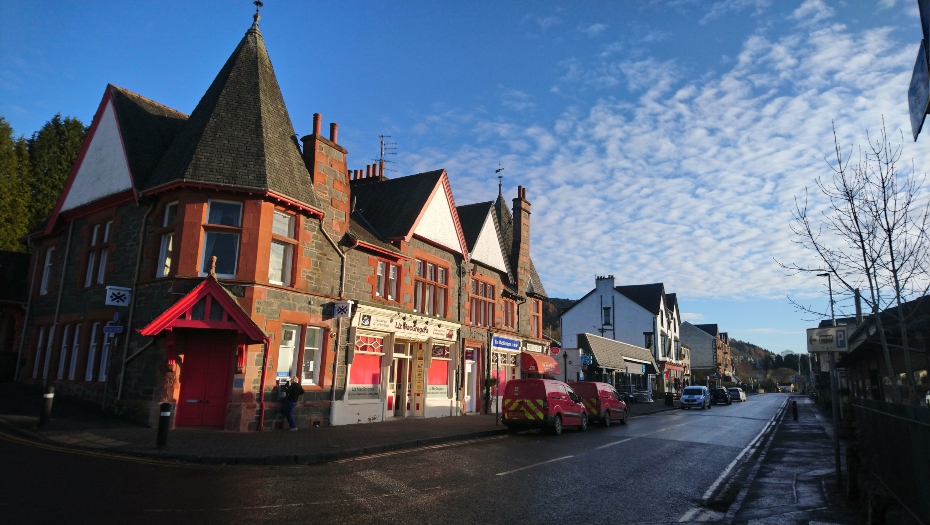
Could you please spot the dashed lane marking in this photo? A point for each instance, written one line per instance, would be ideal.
(416, 449)
(533, 465)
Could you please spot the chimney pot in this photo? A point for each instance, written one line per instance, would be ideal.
(334, 132)
(317, 119)
(368, 171)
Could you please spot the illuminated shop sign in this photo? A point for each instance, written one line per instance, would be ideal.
(505, 344)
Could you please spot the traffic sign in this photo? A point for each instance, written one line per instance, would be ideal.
(828, 339)
(918, 95)
(113, 329)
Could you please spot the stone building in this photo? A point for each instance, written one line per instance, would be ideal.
(204, 260)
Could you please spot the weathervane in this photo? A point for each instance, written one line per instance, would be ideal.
(258, 5)
(500, 178)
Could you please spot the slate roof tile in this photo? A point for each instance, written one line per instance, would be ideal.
(392, 206)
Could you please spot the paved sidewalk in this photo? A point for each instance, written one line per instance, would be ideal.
(794, 481)
(77, 425)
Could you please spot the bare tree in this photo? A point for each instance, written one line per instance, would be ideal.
(873, 235)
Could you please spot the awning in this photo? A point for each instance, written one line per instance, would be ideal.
(538, 363)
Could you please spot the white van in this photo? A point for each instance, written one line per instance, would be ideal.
(695, 396)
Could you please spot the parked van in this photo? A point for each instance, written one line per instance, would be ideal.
(602, 402)
(542, 403)
(695, 396)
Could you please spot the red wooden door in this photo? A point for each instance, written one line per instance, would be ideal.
(205, 378)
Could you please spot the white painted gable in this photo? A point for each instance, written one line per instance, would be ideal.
(437, 224)
(103, 171)
(488, 247)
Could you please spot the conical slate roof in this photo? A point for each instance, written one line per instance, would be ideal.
(239, 135)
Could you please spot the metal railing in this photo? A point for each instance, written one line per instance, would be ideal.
(894, 444)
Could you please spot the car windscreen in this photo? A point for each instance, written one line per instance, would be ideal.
(692, 392)
(734, 391)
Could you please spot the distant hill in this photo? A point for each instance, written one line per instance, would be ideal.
(552, 308)
(743, 348)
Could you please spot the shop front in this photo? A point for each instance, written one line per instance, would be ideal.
(505, 352)
(535, 362)
(399, 365)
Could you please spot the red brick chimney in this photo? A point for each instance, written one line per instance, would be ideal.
(521, 239)
(326, 161)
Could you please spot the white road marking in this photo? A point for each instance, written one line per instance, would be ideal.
(534, 465)
(614, 443)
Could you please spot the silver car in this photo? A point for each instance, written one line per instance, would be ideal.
(695, 396)
(737, 394)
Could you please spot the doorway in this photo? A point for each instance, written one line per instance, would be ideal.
(205, 379)
(398, 394)
(470, 378)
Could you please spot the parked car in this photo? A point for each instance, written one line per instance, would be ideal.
(695, 397)
(542, 403)
(720, 396)
(737, 393)
(602, 402)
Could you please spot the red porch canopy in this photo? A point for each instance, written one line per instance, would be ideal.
(538, 363)
(209, 306)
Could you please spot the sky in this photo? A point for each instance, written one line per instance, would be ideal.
(659, 141)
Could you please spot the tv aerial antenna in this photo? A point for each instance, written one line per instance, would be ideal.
(387, 148)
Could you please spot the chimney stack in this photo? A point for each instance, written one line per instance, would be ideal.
(317, 120)
(521, 240)
(333, 132)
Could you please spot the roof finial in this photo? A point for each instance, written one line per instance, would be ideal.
(500, 179)
(256, 17)
(213, 266)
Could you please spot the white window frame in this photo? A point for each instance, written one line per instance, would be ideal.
(48, 351)
(380, 281)
(63, 356)
(91, 353)
(165, 255)
(312, 355)
(75, 348)
(286, 265)
(165, 222)
(292, 368)
(46, 270)
(89, 275)
(102, 266)
(38, 358)
(104, 357)
(206, 232)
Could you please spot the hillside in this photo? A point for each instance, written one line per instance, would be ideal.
(743, 348)
(552, 307)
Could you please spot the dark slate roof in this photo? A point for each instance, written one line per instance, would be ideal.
(147, 129)
(709, 328)
(536, 286)
(366, 233)
(393, 206)
(648, 296)
(671, 301)
(14, 273)
(472, 217)
(239, 134)
(616, 354)
(505, 226)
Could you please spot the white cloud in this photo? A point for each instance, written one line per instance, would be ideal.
(722, 7)
(593, 30)
(812, 11)
(694, 183)
(516, 100)
(692, 317)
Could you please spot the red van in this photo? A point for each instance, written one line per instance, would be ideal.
(602, 402)
(542, 403)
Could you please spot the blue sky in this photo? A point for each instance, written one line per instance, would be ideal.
(659, 140)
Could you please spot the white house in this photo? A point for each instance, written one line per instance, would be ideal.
(640, 315)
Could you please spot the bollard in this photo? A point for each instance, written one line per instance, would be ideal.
(164, 421)
(794, 410)
(47, 407)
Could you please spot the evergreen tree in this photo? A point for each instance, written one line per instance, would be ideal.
(14, 189)
(53, 151)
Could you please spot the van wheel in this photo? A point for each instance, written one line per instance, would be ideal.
(625, 415)
(607, 418)
(557, 426)
(584, 422)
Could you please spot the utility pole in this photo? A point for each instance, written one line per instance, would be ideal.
(834, 391)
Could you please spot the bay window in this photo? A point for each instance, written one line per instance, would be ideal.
(166, 250)
(282, 249)
(221, 238)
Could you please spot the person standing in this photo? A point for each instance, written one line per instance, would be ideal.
(293, 392)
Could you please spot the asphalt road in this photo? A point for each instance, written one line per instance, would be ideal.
(663, 468)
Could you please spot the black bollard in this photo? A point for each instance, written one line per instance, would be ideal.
(794, 410)
(164, 421)
(47, 406)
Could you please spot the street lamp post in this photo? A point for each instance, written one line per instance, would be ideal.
(834, 394)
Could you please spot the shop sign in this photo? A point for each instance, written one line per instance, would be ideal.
(423, 327)
(366, 392)
(505, 344)
(533, 347)
(437, 391)
(418, 370)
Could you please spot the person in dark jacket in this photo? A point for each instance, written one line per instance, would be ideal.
(293, 393)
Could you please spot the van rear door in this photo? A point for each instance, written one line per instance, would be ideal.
(524, 400)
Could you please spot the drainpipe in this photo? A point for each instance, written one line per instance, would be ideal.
(261, 387)
(132, 306)
(32, 285)
(342, 287)
(61, 286)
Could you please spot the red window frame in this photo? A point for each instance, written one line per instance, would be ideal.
(536, 318)
(430, 288)
(482, 296)
(386, 287)
(509, 314)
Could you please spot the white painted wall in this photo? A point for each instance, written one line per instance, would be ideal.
(104, 170)
(630, 320)
(437, 224)
(487, 248)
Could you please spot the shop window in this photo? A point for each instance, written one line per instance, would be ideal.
(313, 340)
(482, 296)
(536, 318)
(166, 249)
(365, 371)
(221, 238)
(509, 314)
(38, 353)
(282, 249)
(46, 270)
(75, 347)
(91, 352)
(386, 285)
(97, 254)
(431, 288)
(438, 377)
